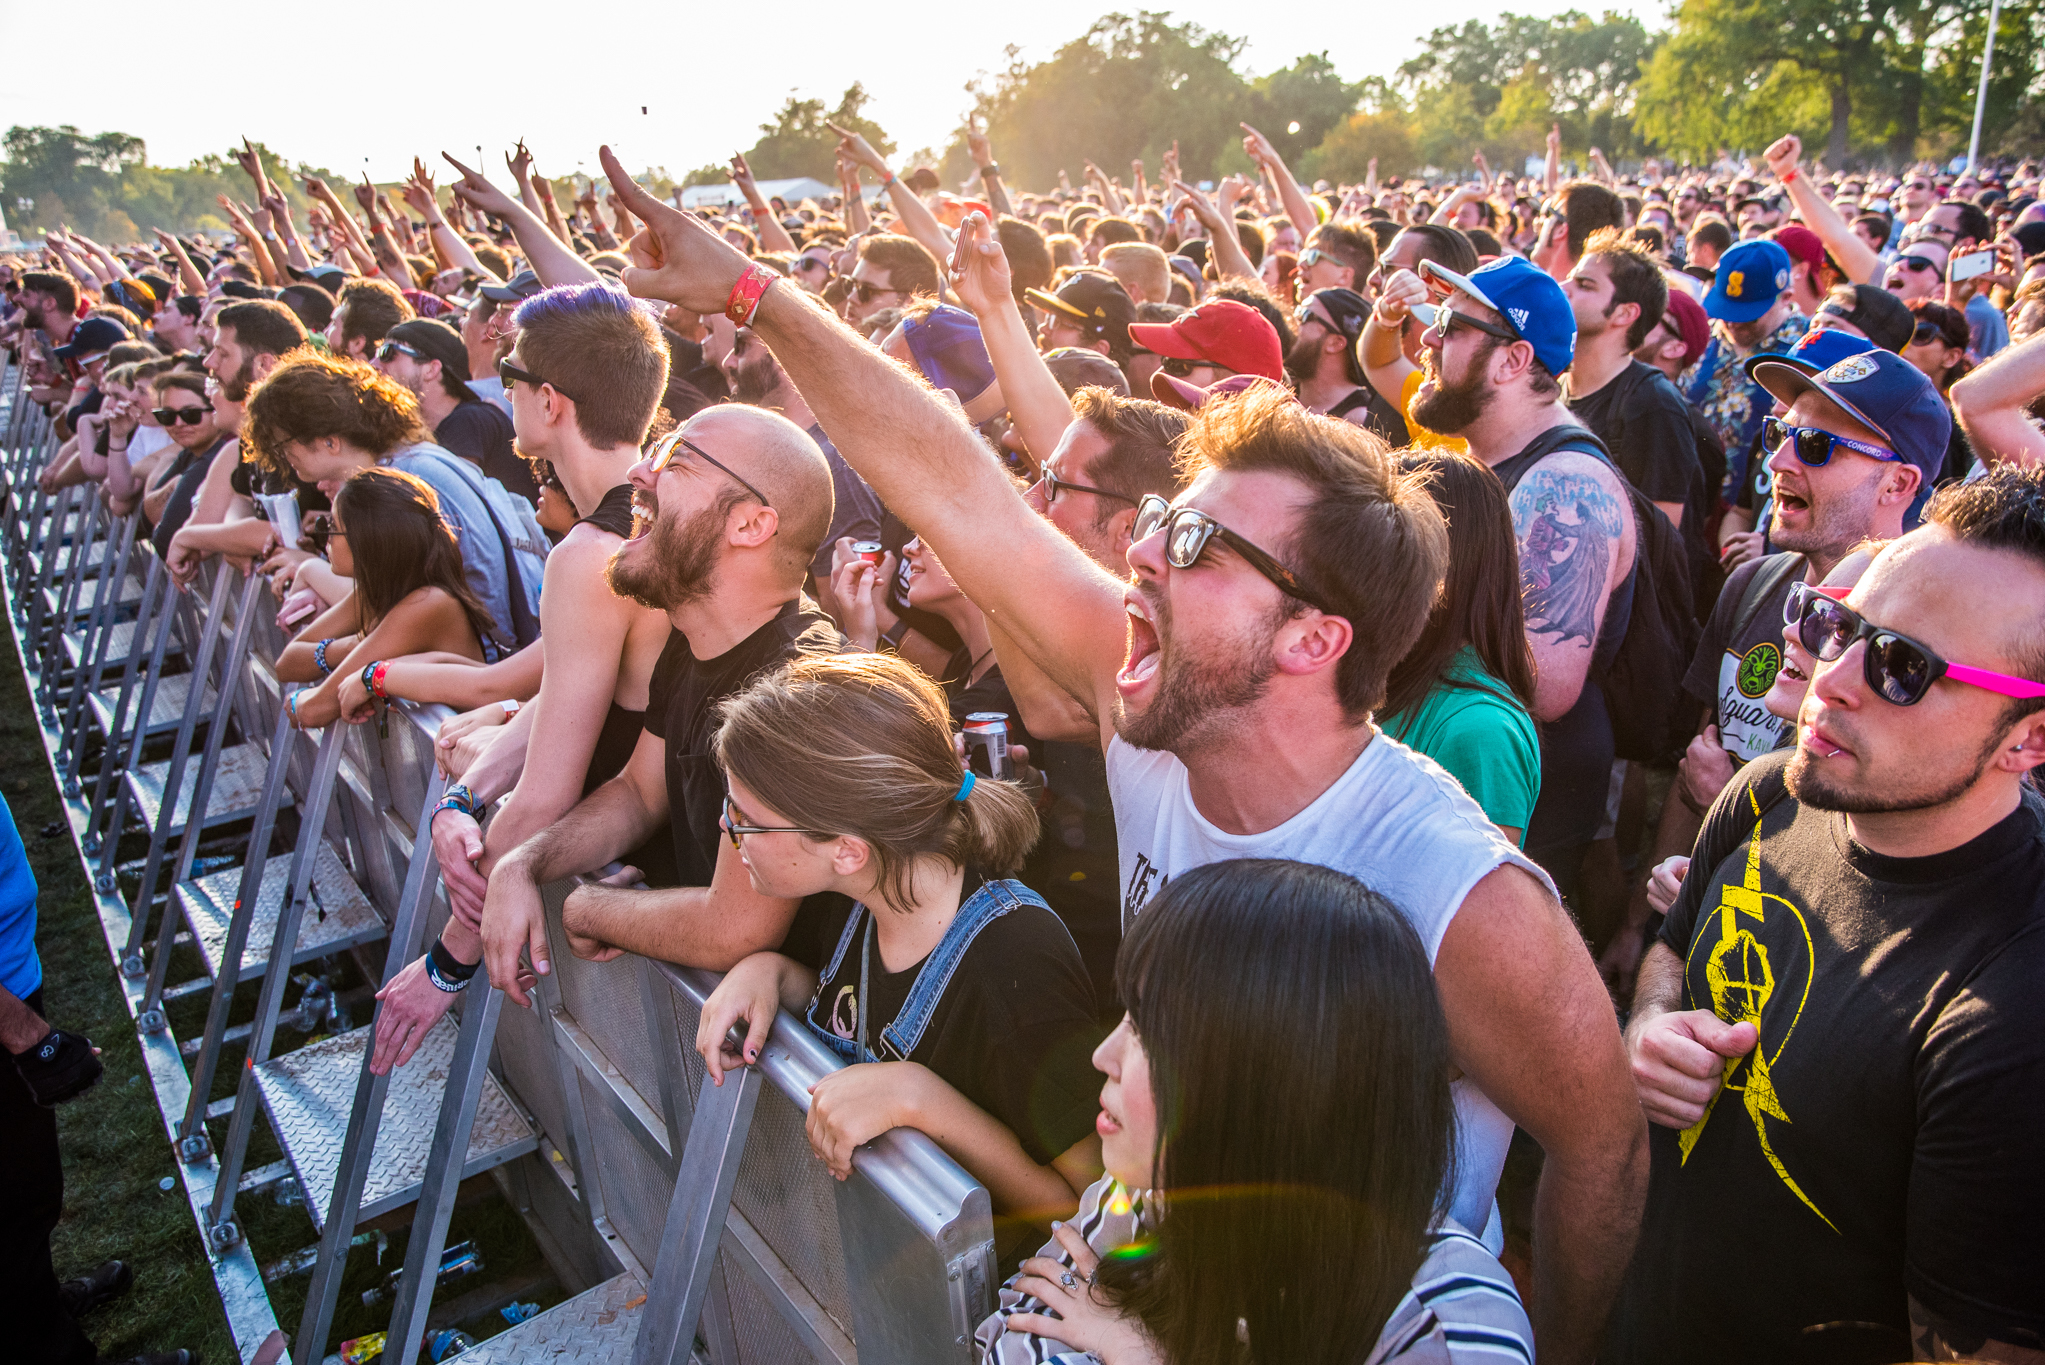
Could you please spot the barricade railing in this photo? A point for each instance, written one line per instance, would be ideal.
(689, 1213)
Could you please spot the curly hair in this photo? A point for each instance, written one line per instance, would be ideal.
(310, 397)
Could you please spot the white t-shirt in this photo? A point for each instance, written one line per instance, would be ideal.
(1395, 821)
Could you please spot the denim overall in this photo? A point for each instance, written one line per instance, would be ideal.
(901, 1037)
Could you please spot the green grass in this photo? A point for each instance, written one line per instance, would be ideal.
(112, 1137)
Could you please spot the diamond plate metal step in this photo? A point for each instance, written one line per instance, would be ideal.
(339, 916)
(88, 597)
(237, 786)
(310, 1094)
(164, 713)
(596, 1327)
(78, 652)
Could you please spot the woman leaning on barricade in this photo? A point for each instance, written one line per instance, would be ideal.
(1278, 1135)
(956, 993)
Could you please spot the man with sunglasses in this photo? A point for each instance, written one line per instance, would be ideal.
(889, 272)
(1390, 349)
(730, 510)
(1919, 270)
(428, 357)
(1233, 682)
(1836, 1034)
(1323, 364)
(811, 267)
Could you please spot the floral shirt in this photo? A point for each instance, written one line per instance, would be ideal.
(1732, 403)
(1462, 1308)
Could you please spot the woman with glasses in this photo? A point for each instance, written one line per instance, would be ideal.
(1277, 1128)
(956, 993)
(1938, 346)
(411, 596)
(1461, 694)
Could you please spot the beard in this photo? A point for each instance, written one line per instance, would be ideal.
(680, 559)
(755, 378)
(235, 388)
(1303, 359)
(1197, 691)
(1889, 793)
(1451, 408)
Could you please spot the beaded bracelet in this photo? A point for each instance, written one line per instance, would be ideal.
(319, 658)
(459, 797)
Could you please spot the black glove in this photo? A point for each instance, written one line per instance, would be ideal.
(60, 1067)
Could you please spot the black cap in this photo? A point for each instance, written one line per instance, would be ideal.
(1349, 309)
(1879, 315)
(1096, 301)
(521, 286)
(94, 336)
(436, 341)
(1077, 369)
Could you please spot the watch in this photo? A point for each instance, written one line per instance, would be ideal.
(991, 168)
(895, 633)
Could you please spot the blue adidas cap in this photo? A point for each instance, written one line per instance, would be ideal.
(1881, 391)
(1818, 349)
(1532, 304)
(1751, 277)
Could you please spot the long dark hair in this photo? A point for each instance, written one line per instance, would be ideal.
(1480, 603)
(400, 543)
(1299, 1062)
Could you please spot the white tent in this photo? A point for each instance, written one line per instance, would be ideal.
(790, 192)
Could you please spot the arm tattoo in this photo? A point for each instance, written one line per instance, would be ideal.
(1566, 524)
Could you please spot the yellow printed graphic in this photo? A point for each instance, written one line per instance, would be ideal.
(1742, 984)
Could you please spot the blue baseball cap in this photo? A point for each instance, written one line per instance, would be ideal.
(1532, 304)
(1818, 349)
(1879, 390)
(948, 349)
(1751, 277)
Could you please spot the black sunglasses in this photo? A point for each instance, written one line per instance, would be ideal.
(1445, 320)
(867, 291)
(393, 348)
(664, 455)
(1896, 667)
(170, 417)
(510, 373)
(1813, 447)
(1925, 332)
(1187, 531)
(324, 531)
(1183, 369)
(1053, 486)
(1917, 263)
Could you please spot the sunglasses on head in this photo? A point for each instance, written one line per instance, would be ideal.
(396, 348)
(1187, 531)
(1897, 668)
(1813, 447)
(664, 455)
(170, 417)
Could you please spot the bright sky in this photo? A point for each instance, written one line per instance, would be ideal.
(727, 68)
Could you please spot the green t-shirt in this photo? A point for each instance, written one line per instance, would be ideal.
(1473, 726)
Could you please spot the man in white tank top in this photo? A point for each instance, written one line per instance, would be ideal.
(1233, 679)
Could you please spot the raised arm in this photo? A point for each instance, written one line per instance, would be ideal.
(1382, 348)
(1551, 172)
(453, 246)
(189, 278)
(916, 217)
(1036, 402)
(857, 219)
(116, 268)
(1265, 154)
(520, 164)
(916, 451)
(1231, 262)
(766, 227)
(1854, 256)
(279, 209)
(1992, 405)
(548, 255)
(1575, 532)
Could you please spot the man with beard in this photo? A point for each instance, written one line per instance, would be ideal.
(1753, 313)
(1268, 604)
(428, 357)
(1323, 364)
(1836, 1034)
(598, 648)
(1390, 351)
(757, 380)
(730, 511)
(1496, 343)
(249, 339)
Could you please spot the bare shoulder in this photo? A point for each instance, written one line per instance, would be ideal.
(575, 580)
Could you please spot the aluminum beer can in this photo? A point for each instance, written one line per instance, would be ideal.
(868, 550)
(987, 744)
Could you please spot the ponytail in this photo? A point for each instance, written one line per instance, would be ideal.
(994, 828)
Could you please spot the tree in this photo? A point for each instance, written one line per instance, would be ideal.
(797, 143)
(1299, 105)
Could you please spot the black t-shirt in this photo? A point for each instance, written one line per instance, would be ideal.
(1381, 417)
(681, 708)
(1732, 674)
(1893, 1143)
(249, 479)
(1645, 423)
(1014, 1031)
(480, 433)
(189, 471)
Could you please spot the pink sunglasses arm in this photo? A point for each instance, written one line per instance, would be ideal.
(1995, 682)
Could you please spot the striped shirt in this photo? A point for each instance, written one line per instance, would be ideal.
(1462, 1308)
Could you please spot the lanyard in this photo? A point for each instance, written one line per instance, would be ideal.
(865, 954)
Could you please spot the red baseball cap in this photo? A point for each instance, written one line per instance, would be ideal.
(1220, 332)
(1802, 244)
(1687, 320)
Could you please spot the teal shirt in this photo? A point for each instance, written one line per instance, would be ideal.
(1481, 734)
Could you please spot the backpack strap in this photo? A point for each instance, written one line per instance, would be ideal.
(525, 626)
(1769, 575)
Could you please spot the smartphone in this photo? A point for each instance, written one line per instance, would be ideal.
(1972, 264)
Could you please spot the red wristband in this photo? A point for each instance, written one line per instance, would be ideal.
(1789, 175)
(376, 681)
(747, 293)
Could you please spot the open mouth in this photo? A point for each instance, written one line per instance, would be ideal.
(1789, 501)
(1145, 650)
(1792, 672)
(644, 513)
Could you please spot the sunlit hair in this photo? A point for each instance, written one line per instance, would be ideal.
(861, 744)
(1367, 538)
(310, 397)
(2002, 510)
(598, 347)
(1299, 1066)
(401, 543)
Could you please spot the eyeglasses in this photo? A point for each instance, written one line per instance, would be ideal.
(664, 455)
(867, 291)
(1444, 319)
(394, 348)
(1933, 230)
(1312, 257)
(737, 832)
(510, 373)
(1187, 531)
(1813, 447)
(324, 530)
(170, 417)
(1053, 486)
(1898, 668)
(1918, 263)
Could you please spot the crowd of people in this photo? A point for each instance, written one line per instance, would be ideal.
(1387, 674)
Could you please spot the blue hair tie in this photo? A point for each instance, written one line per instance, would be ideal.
(965, 786)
